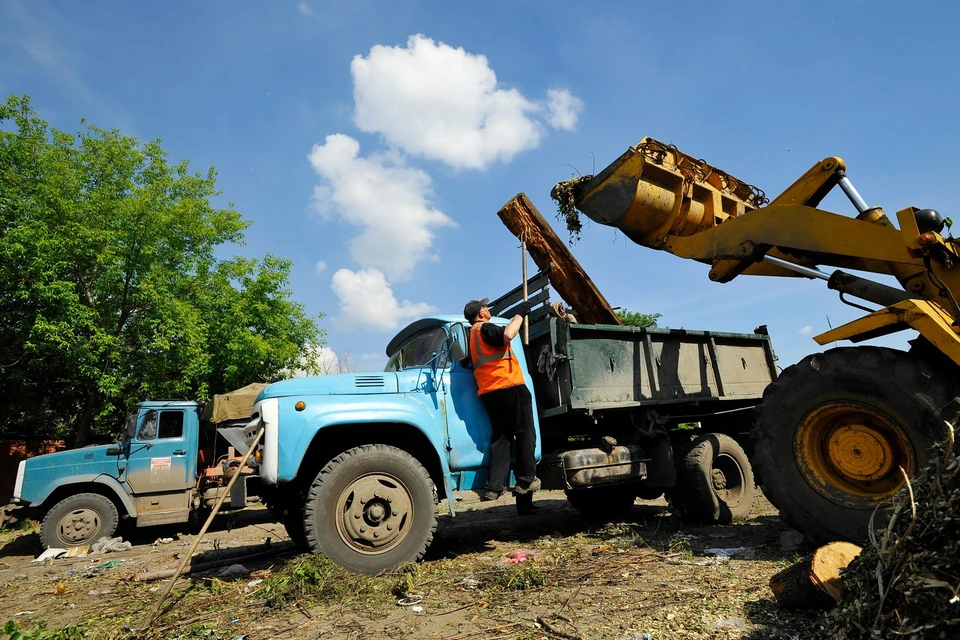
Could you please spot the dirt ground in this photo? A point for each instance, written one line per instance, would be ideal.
(647, 573)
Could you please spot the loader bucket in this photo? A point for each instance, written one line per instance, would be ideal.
(655, 190)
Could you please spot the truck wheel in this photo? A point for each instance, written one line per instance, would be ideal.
(292, 519)
(602, 502)
(835, 429)
(716, 481)
(79, 519)
(371, 509)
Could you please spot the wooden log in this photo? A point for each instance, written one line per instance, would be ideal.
(567, 276)
(814, 581)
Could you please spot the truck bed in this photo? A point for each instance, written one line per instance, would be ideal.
(591, 367)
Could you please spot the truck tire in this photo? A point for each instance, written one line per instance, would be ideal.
(292, 520)
(833, 431)
(602, 502)
(715, 481)
(82, 518)
(371, 509)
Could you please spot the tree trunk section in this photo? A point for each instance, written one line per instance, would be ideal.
(545, 247)
(82, 431)
(814, 581)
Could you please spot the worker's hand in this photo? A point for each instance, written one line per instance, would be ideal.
(522, 309)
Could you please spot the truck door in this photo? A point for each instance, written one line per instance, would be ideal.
(161, 464)
(468, 426)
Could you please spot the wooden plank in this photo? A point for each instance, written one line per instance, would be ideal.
(569, 279)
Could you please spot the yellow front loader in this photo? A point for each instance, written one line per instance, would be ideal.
(839, 432)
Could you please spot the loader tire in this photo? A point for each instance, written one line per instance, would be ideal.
(834, 430)
(715, 482)
(603, 502)
(371, 509)
(80, 519)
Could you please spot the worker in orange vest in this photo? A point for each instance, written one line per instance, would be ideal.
(503, 392)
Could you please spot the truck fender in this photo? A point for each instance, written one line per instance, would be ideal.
(116, 490)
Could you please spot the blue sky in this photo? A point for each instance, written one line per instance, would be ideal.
(373, 142)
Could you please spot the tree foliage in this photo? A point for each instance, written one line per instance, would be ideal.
(111, 290)
(637, 319)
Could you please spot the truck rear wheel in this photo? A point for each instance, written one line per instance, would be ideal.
(371, 509)
(834, 431)
(603, 502)
(716, 481)
(82, 518)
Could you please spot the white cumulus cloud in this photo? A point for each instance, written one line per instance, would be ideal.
(563, 109)
(367, 301)
(806, 331)
(435, 101)
(388, 200)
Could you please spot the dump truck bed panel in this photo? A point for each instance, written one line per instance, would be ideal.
(591, 367)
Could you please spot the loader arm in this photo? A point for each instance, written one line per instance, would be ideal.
(664, 199)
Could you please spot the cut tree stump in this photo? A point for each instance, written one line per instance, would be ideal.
(567, 276)
(814, 581)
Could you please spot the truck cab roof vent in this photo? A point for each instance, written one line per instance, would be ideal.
(370, 381)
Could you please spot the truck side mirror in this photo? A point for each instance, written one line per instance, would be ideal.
(457, 341)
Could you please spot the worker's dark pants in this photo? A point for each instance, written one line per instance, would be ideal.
(511, 417)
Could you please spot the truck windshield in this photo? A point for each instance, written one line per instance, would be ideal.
(419, 350)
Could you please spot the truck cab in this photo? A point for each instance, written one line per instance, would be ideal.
(151, 475)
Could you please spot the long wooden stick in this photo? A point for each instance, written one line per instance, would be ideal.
(203, 531)
(526, 321)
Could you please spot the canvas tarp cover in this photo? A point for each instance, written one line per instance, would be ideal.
(234, 405)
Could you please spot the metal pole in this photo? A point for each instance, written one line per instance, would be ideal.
(523, 252)
(852, 193)
(807, 271)
(206, 525)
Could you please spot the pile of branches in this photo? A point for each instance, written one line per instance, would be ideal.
(906, 582)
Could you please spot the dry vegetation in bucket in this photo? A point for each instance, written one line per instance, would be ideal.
(906, 582)
(565, 193)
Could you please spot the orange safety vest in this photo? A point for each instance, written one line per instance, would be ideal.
(493, 367)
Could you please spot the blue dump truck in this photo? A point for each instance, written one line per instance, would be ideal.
(175, 459)
(355, 465)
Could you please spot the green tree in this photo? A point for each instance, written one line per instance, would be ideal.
(110, 291)
(637, 319)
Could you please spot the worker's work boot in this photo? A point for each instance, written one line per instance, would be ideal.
(520, 490)
(525, 504)
(488, 495)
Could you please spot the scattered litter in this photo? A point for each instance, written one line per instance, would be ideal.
(233, 571)
(71, 572)
(60, 589)
(101, 592)
(162, 541)
(243, 637)
(517, 556)
(636, 636)
(255, 582)
(734, 624)
(702, 562)
(23, 613)
(790, 540)
(409, 600)
(732, 552)
(50, 554)
(108, 545)
(78, 552)
(469, 584)
(234, 620)
(111, 564)
(417, 609)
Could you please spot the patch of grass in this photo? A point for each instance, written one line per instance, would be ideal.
(680, 546)
(13, 631)
(26, 525)
(313, 578)
(528, 577)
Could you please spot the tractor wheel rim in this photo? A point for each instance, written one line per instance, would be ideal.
(375, 513)
(78, 526)
(727, 480)
(850, 452)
